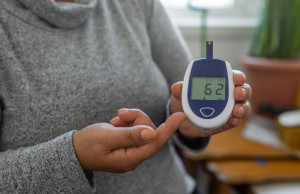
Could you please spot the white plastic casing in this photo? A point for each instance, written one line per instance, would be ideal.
(220, 119)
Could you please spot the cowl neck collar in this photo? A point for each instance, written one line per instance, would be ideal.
(61, 14)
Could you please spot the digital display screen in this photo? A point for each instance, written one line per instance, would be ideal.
(208, 88)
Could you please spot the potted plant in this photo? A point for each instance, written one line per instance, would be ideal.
(273, 64)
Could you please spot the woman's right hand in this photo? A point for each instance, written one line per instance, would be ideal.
(103, 147)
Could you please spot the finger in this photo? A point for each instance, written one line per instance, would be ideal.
(239, 77)
(176, 90)
(135, 155)
(240, 93)
(175, 105)
(117, 122)
(123, 137)
(167, 129)
(241, 109)
(248, 89)
(163, 133)
(243, 92)
(231, 123)
(135, 117)
(175, 101)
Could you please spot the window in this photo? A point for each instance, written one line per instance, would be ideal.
(206, 3)
(175, 3)
(242, 13)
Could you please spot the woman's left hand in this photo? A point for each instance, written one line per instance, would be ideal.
(242, 108)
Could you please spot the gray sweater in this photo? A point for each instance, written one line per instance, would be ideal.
(64, 66)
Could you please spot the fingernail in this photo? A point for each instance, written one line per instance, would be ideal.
(147, 135)
(114, 120)
(122, 111)
(241, 111)
(243, 92)
(244, 77)
(172, 87)
(239, 77)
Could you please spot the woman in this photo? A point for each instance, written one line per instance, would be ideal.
(67, 66)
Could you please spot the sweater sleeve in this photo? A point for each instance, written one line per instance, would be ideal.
(49, 167)
(172, 55)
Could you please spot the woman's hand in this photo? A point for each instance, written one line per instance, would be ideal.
(123, 147)
(242, 108)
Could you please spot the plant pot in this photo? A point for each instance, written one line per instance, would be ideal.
(273, 81)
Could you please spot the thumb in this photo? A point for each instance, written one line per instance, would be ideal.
(138, 135)
(175, 103)
(176, 90)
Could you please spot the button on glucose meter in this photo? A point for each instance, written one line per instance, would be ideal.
(207, 111)
(207, 92)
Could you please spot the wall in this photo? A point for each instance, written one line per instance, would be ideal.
(231, 28)
(230, 43)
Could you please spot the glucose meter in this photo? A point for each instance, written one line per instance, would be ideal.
(207, 92)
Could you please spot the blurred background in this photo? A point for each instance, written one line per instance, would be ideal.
(262, 39)
(230, 25)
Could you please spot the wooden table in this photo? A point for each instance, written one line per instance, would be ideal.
(232, 144)
(236, 161)
(251, 171)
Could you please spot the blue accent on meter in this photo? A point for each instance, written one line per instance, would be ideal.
(209, 69)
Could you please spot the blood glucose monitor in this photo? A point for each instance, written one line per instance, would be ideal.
(207, 92)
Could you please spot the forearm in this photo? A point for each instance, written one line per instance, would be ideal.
(48, 167)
